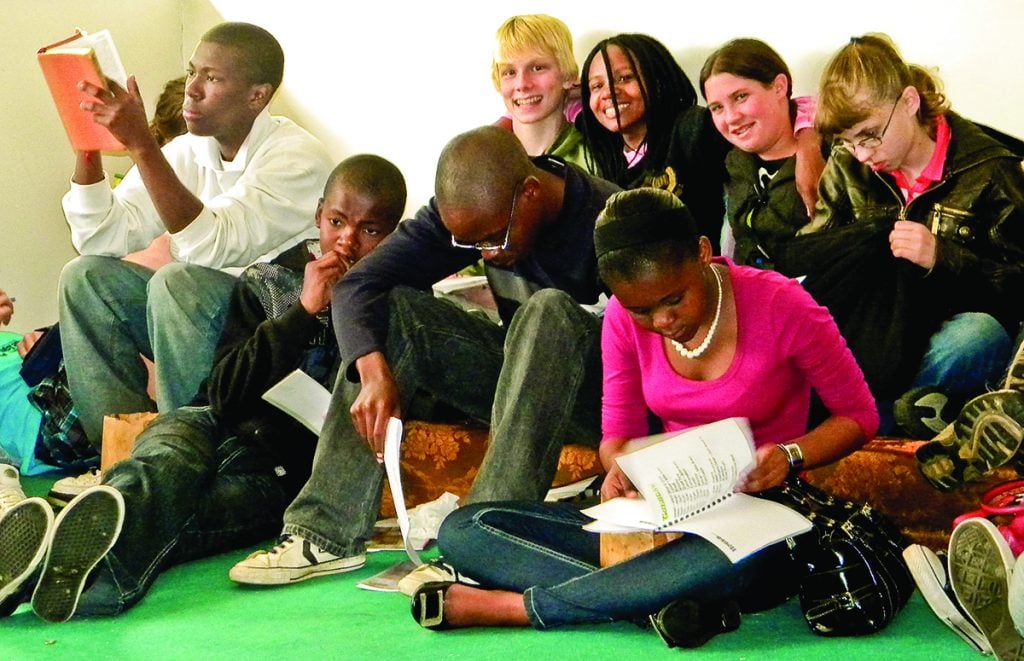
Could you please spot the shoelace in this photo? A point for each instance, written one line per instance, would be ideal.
(283, 544)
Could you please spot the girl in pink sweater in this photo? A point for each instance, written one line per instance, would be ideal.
(692, 339)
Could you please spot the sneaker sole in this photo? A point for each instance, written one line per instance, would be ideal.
(991, 423)
(986, 435)
(1015, 373)
(288, 575)
(83, 533)
(930, 578)
(911, 412)
(24, 536)
(980, 567)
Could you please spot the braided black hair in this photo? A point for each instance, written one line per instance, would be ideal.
(666, 93)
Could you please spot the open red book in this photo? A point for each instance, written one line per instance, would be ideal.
(89, 57)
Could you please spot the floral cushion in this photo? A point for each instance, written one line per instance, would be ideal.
(884, 474)
(446, 457)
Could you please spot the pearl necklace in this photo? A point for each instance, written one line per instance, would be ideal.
(699, 351)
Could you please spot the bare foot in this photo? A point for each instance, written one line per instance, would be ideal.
(466, 606)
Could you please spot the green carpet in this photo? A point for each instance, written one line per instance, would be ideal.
(195, 612)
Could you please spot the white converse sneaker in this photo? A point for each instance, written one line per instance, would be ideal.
(294, 559)
(25, 528)
(11, 492)
(65, 489)
(929, 572)
(980, 567)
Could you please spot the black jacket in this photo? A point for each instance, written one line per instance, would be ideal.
(267, 335)
(419, 253)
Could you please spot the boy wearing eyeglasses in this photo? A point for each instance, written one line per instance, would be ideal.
(535, 378)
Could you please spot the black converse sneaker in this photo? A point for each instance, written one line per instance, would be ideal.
(83, 533)
(25, 528)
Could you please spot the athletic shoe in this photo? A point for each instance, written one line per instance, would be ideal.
(25, 527)
(929, 572)
(1015, 372)
(1016, 600)
(83, 533)
(980, 565)
(65, 489)
(925, 411)
(987, 434)
(435, 571)
(294, 559)
(687, 623)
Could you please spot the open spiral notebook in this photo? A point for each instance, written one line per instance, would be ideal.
(686, 481)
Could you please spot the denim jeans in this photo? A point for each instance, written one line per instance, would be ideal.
(190, 490)
(967, 355)
(539, 386)
(541, 550)
(111, 311)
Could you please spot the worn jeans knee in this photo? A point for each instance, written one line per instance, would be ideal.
(186, 308)
(966, 355)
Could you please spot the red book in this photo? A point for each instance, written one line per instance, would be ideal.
(89, 57)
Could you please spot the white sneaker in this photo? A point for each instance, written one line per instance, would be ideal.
(431, 572)
(294, 559)
(65, 489)
(25, 528)
(980, 565)
(11, 492)
(929, 572)
(1016, 599)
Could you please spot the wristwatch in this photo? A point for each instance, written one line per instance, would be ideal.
(794, 455)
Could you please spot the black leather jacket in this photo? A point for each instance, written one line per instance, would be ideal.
(976, 211)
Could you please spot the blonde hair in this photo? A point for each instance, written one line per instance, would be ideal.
(530, 33)
(867, 73)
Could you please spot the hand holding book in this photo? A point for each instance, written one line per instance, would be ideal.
(687, 481)
(92, 58)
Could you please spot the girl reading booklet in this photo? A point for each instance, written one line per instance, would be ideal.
(694, 339)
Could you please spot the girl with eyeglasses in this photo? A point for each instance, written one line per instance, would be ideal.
(926, 213)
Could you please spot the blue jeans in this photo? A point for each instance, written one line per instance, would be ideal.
(191, 489)
(541, 550)
(539, 386)
(111, 311)
(967, 355)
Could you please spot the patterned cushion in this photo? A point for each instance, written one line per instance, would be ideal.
(445, 457)
(884, 473)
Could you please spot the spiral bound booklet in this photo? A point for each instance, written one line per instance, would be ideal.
(686, 482)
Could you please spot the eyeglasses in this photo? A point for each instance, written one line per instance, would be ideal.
(871, 141)
(491, 244)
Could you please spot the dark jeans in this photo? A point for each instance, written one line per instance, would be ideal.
(541, 550)
(190, 491)
(538, 385)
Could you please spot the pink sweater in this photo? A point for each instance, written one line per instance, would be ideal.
(787, 344)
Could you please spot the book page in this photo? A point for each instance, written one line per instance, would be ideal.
(744, 524)
(692, 470)
(300, 396)
(107, 56)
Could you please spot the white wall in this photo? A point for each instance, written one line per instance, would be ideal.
(36, 160)
(400, 78)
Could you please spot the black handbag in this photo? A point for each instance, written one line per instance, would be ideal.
(854, 579)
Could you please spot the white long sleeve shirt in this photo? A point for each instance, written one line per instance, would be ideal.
(254, 206)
